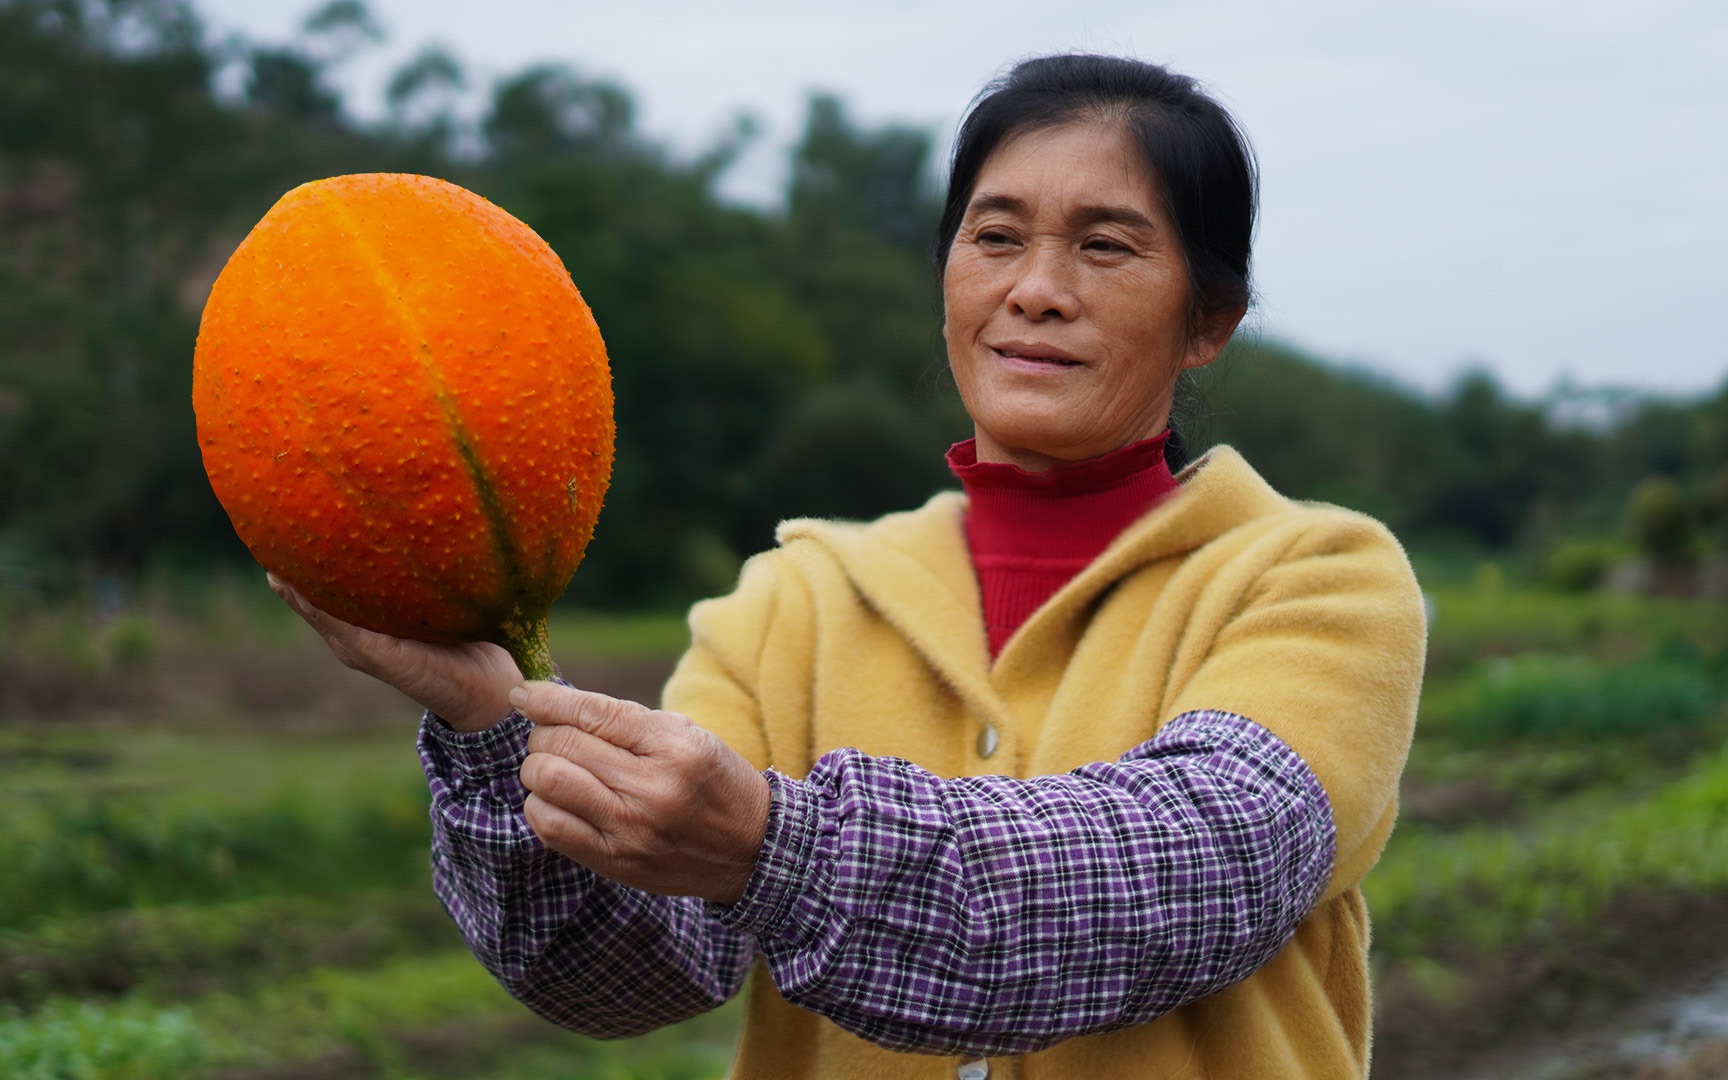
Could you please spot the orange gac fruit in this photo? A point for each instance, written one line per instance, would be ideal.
(406, 409)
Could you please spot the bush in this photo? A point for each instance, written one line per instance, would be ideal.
(1579, 566)
(1661, 519)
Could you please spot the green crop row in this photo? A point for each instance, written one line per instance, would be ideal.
(428, 1016)
(77, 1040)
(183, 950)
(1571, 698)
(1468, 625)
(1482, 889)
(122, 853)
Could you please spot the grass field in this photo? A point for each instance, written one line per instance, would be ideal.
(215, 863)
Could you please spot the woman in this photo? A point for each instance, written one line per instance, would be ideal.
(1074, 775)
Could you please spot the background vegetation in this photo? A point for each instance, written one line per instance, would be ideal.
(214, 862)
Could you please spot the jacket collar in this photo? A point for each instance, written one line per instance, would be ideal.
(914, 569)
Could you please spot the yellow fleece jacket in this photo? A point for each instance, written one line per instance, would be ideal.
(1302, 617)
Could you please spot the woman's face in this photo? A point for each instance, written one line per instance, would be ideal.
(1066, 299)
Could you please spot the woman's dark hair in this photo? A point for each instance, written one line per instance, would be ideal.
(1200, 162)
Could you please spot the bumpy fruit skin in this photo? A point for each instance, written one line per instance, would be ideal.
(406, 409)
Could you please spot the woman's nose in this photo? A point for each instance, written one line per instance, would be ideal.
(1043, 287)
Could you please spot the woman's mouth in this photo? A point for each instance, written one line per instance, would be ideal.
(1033, 354)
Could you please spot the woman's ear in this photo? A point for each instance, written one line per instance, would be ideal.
(1211, 333)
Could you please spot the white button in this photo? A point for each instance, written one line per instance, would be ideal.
(975, 1070)
(987, 741)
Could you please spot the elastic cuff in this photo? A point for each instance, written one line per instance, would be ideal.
(490, 752)
(783, 865)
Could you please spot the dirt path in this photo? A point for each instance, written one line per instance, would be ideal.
(1681, 1035)
(1645, 998)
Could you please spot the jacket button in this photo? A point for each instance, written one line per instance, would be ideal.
(987, 742)
(975, 1070)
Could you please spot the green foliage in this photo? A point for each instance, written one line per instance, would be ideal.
(874, 183)
(1569, 697)
(121, 180)
(850, 452)
(375, 1013)
(1468, 626)
(1713, 506)
(235, 899)
(1476, 465)
(66, 659)
(1487, 889)
(183, 950)
(1660, 519)
(618, 637)
(129, 642)
(73, 1040)
(370, 1010)
(720, 323)
(550, 112)
(1578, 566)
(301, 1018)
(111, 854)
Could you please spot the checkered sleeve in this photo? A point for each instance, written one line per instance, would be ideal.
(582, 951)
(992, 915)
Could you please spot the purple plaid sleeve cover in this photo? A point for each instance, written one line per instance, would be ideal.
(983, 915)
(582, 951)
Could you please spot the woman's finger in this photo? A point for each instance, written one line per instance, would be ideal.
(289, 595)
(607, 762)
(566, 785)
(464, 684)
(565, 832)
(354, 646)
(625, 724)
(328, 627)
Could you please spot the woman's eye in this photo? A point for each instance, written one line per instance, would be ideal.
(994, 238)
(1104, 244)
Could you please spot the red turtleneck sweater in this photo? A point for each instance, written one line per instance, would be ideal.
(1030, 533)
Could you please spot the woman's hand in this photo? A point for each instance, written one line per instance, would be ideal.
(468, 685)
(643, 797)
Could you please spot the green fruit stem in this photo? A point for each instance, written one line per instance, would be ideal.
(528, 646)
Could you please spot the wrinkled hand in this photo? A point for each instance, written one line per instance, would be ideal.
(643, 797)
(468, 684)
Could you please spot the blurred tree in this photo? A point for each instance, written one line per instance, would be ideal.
(1714, 506)
(1477, 465)
(1654, 436)
(422, 96)
(875, 182)
(862, 215)
(551, 112)
(1661, 520)
(709, 346)
(290, 85)
(122, 179)
(104, 117)
(1504, 457)
(291, 81)
(852, 452)
(1316, 431)
(334, 33)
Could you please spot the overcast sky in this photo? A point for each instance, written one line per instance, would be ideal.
(1539, 187)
